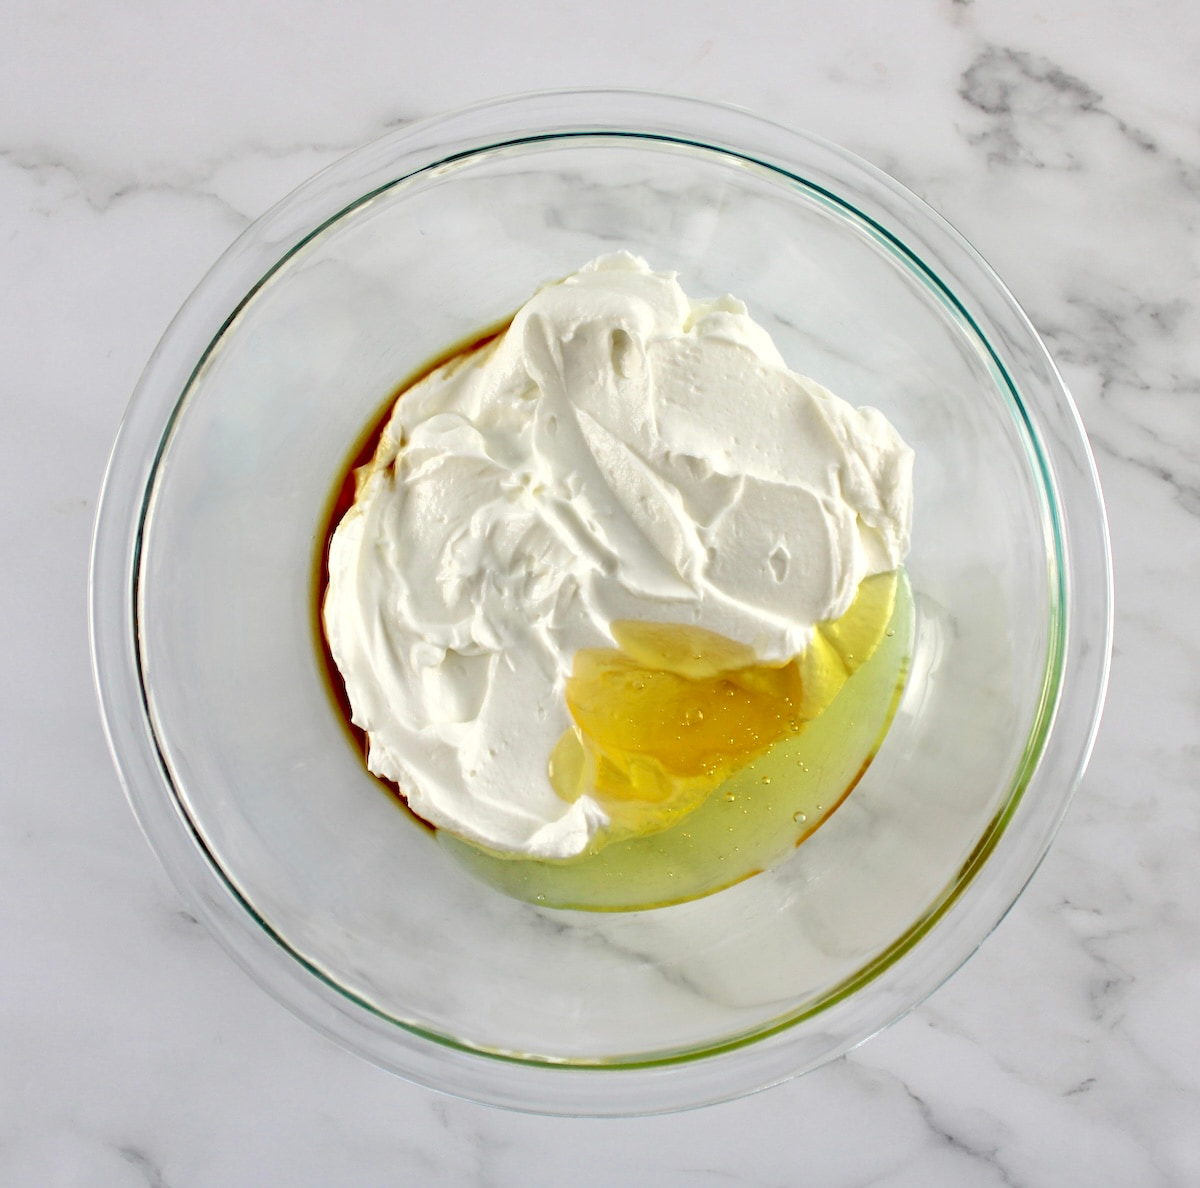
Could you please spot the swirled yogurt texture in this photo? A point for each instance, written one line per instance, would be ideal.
(620, 453)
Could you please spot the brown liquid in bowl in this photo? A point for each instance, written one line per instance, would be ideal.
(339, 502)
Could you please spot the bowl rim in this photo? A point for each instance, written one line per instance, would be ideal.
(964, 916)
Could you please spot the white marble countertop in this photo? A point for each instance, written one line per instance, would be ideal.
(137, 139)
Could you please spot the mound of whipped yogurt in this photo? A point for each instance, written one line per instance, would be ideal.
(619, 452)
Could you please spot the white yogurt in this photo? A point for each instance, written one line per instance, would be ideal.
(621, 452)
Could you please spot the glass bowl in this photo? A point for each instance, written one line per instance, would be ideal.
(233, 752)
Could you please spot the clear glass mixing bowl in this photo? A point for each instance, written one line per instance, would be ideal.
(210, 674)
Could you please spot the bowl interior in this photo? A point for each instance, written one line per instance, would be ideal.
(258, 758)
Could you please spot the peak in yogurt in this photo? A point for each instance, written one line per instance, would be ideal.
(621, 464)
